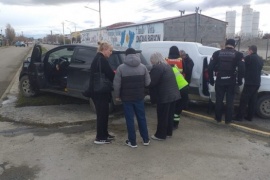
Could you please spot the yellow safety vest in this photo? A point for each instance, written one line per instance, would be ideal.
(181, 82)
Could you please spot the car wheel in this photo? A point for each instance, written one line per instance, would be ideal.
(93, 108)
(263, 107)
(25, 87)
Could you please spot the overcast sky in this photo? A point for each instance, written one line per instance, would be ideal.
(36, 18)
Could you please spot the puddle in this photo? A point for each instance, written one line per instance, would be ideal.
(22, 172)
(37, 131)
(10, 99)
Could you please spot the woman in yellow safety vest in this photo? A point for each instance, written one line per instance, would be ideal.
(181, 103)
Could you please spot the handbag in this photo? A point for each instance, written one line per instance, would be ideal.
(100, 82)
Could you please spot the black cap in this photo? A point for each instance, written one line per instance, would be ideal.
(130, 51)
(174, 52)
(230, 42)
(253, 48)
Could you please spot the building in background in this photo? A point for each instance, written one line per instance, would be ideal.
(192, 27)
(230, 18)
(250, 22)
(255, 24)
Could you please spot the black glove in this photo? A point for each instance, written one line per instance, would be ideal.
(212, 82)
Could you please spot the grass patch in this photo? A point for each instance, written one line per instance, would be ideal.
(43, 49)
(46, 99)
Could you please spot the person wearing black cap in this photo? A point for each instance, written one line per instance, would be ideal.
(224, 63)
(253, 68)
(130, 80)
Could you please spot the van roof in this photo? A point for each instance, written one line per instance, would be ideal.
(171, 42)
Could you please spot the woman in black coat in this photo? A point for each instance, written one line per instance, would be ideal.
(163, 92)
(102, 100)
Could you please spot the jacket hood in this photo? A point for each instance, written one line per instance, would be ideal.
(132, 60)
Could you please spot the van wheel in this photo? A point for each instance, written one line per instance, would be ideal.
(93, 108)
(26, 88)
(263, 107)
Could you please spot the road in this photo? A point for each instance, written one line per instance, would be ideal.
(198, 150)
(11, 59)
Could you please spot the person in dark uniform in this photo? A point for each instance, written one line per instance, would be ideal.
(253, 68)
(188, 65)
(224, 63)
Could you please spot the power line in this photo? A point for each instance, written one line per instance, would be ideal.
(160, 4)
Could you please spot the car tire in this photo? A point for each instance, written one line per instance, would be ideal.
(93, 108)
(25, 87)
(263, 107)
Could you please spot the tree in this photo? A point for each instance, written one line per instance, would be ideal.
(266, 36)
(10, 33)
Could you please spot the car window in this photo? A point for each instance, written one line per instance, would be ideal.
(84, 56)
(62, 53)
(115, 60)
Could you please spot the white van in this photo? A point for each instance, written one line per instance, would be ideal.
(197, 52)
(199, 88)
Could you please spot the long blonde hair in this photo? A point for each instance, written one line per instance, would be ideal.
(103, 45)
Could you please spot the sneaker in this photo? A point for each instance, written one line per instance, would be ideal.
(110, 137)
(102, 141)
(146, 143)
(155, 138)
(128, 143)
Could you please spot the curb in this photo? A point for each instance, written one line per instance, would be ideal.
(236, 126)
(13, 79)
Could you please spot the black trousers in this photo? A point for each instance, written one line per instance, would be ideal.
(248, 98)
(182, 103)
(221, 91)
(101, 102)
(165, 112)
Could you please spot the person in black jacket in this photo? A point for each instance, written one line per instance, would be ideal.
(163, 92)
(253, 68)
(188, 65)
(224, 63)
(101, 100)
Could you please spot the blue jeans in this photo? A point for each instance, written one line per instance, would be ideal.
(137, 108)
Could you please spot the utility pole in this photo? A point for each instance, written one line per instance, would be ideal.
(196, 23)
(100, 21)
(75, 30)
(267, 47)
(63, 33)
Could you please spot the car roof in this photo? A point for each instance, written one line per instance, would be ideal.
(116, 49)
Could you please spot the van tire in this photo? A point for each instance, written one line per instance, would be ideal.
(93, 108)
(25, 87)
(263, 107)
